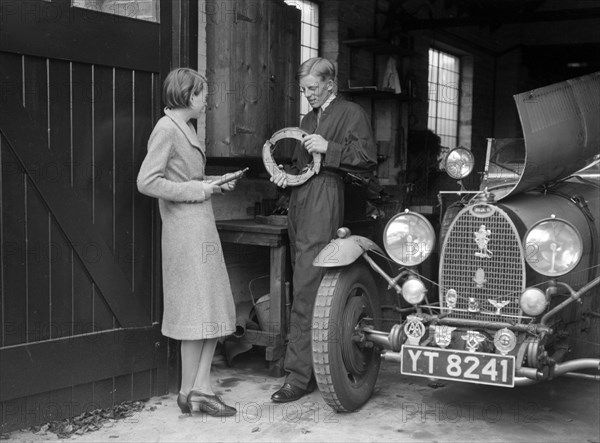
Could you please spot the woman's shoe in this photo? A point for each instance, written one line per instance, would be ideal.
(211, 404)
(182, 402)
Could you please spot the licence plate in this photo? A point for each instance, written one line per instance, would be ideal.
(451, 364)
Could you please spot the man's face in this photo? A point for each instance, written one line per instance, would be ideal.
(316, 90)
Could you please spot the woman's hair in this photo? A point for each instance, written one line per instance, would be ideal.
(318, 67)
(179, 86)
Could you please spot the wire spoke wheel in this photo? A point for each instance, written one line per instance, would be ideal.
(345, 366)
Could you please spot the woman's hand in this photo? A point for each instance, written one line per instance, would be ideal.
(315, 143)
(210, 189)
(230, 185)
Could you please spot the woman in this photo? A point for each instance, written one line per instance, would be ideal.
(198, 303)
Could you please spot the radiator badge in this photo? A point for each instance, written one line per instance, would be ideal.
(482, 238)
(451, 298)
(479, 278)
(498, 305)
(472, 340)
(442, 335)
(473, 305)
(505, 340)
(414, 330)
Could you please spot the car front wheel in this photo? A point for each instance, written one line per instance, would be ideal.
(345, 366)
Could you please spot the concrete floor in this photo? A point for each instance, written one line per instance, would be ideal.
(404, 409)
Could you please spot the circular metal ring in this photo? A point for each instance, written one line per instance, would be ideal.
(273, 168)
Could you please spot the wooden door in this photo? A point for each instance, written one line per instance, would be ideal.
(252, 57)
(80, 289)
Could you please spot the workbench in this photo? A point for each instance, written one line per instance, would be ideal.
(275, 237)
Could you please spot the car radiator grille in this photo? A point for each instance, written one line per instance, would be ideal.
(494, 272)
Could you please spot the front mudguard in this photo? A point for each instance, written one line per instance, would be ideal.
(344, 251)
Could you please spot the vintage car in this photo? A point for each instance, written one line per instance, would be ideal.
(518, 293)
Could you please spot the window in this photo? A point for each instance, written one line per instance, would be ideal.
(444, 92)
(309, 36)
(140, 9)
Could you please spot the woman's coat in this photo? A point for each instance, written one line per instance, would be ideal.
(198, 303)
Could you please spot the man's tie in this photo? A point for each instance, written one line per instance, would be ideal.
(318, 113)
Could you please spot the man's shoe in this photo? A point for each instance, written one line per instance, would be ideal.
(288, 393)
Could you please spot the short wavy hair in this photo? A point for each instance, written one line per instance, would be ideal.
(179, 86)
(317, 66)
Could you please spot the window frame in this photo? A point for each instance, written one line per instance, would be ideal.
(120, 10)
(448, 140)
(306, 50)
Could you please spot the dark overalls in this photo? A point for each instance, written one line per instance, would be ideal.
(316, 211)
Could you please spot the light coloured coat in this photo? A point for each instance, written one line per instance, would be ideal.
(198, 303)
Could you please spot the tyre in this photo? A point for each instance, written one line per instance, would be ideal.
(345, 368)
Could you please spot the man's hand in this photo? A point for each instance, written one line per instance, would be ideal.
(315, 143)
(279, 179)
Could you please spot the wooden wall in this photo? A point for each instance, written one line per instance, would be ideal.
(252, 56)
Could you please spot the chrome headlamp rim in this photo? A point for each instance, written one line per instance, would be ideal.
(531, 248)
(459, 163)
(411, 253)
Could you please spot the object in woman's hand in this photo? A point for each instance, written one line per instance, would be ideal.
(230, 177)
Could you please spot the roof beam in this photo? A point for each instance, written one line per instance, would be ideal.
(408, 24)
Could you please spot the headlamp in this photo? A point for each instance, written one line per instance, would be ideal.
(533, 301)
(553, 247)
(459, 163)
(408, 238)
(413, 291)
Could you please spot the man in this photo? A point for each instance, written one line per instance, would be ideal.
(341, 132)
